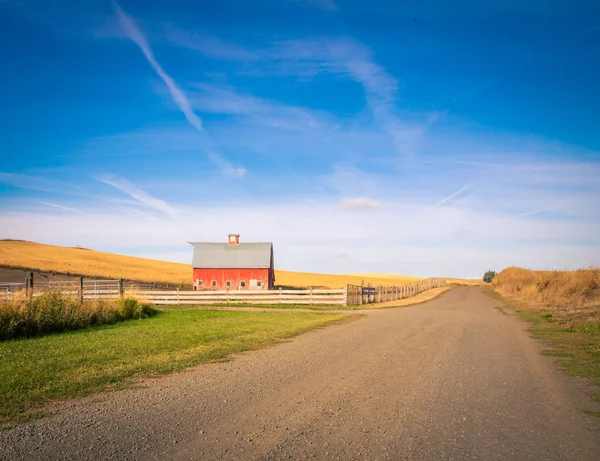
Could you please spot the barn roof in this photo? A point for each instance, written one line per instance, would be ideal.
(226, 256)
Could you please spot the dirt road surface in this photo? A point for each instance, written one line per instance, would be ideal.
(453, 378)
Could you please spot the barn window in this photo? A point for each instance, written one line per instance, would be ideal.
(259, 283)
(214, 283)
(228, 283)
(242, 284)
(199, 282)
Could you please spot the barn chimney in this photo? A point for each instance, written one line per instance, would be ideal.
(233, 239)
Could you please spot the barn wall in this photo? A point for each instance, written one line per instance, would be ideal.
(234, 275)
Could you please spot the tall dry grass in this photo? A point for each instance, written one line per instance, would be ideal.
(577, 290)
(53, 311)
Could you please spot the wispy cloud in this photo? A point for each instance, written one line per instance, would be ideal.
(227, 168)
(226, 100)
(451, 196)
(359, 204)
(130, 211)
(43, 184)
(211, 46)
(340, 56)
(61, 207)
(136, 35)
(350, 181)
(349, 57)
(140, 196)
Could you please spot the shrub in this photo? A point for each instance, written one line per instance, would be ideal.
(55, 311)
(489, 276)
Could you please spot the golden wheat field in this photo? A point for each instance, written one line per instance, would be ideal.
(78, 261)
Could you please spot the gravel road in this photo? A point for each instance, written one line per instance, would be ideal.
(452, 378)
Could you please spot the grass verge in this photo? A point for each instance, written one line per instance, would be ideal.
(573, 340)
(36, 371)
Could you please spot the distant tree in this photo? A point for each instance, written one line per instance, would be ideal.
(488, 276)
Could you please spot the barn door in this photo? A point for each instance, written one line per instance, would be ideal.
(254, 284)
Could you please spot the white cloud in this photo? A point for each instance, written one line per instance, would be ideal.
(136, 35)
(225, 100)
(227, 168)
(343, 56)
(407, 238)
(61, 207)
(39, 183)
(140, 196)
(347, 56)
(359, 204)
(211, 46)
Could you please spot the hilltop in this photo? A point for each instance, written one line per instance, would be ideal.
(17, 254)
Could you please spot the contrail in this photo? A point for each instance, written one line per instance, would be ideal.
(61, 207)
(140, 196)
(136, 35)
(444, 200)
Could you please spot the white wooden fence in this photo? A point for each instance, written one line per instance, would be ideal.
(349, 295)
(322, 297)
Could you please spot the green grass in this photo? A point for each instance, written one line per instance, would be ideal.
(314, 307)
(38, 370)
(573, 340)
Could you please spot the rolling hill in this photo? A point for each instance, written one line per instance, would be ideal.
(79, 261)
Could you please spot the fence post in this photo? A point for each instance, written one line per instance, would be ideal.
(81, 290)
(311, 295)
(30, 284)
(280, 295)
(121, 290)
(362, 292)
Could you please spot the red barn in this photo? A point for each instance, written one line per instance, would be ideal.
(233, 265)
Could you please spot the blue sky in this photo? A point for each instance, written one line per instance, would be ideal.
(423, 138)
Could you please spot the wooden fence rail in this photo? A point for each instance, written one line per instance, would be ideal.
(357, 294)
(349, 295)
